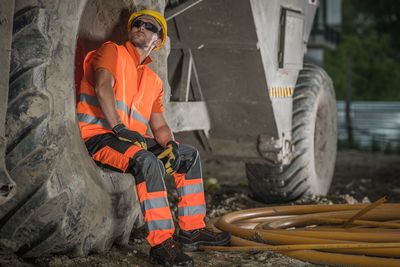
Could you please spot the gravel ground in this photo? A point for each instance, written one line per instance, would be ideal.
(360, 177)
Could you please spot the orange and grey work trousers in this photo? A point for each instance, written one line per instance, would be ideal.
(110, 152)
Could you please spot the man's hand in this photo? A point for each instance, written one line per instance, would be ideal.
(124, 134)
(170, 157)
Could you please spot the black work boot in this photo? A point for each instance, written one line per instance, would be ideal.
(169, 253)
(191, 240)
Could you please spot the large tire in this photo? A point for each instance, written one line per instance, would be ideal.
(64, 202)
(314, 136)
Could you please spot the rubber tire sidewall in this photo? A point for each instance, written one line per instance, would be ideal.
(319, 128)
(64, 202)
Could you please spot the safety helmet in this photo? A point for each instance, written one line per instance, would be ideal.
(157, 16)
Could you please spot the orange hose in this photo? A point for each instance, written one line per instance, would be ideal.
(315, 233)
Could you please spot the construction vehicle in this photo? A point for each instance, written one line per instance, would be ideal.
(239, 89)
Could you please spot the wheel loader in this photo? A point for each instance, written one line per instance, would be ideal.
(235, 84)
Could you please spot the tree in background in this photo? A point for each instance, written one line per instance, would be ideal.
(370, 40)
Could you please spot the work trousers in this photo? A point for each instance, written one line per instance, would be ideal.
(149, 172)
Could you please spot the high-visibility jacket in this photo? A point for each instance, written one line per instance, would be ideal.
(137, 89)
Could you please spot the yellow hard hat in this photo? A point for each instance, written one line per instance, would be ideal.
(157, 16)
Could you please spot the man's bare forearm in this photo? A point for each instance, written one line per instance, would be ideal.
(107, 104)
(105, 96)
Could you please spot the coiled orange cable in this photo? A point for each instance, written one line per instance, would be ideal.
(337, 235)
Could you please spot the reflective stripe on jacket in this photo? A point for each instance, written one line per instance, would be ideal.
(134, 94)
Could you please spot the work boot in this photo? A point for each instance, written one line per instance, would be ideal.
(191, 240)
(169, 253)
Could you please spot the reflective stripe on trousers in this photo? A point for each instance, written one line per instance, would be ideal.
(149, 173)
(189, 184)
(108, 151)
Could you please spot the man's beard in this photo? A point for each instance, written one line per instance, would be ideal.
(139, 43)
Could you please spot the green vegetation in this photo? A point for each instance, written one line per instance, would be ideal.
(368, 51)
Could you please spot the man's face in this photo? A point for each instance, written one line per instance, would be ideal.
(142, 37)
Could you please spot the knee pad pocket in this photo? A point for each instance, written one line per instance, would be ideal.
(146, 167)
(189, 156)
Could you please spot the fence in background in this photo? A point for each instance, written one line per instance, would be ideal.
(376, 125)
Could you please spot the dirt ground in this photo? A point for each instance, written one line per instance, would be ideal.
(360, 177)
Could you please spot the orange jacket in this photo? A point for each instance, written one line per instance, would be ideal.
(138, 90)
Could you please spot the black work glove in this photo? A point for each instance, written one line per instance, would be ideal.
(170, 157)
(124, 134)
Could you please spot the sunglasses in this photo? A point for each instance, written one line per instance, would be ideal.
(147, 25)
